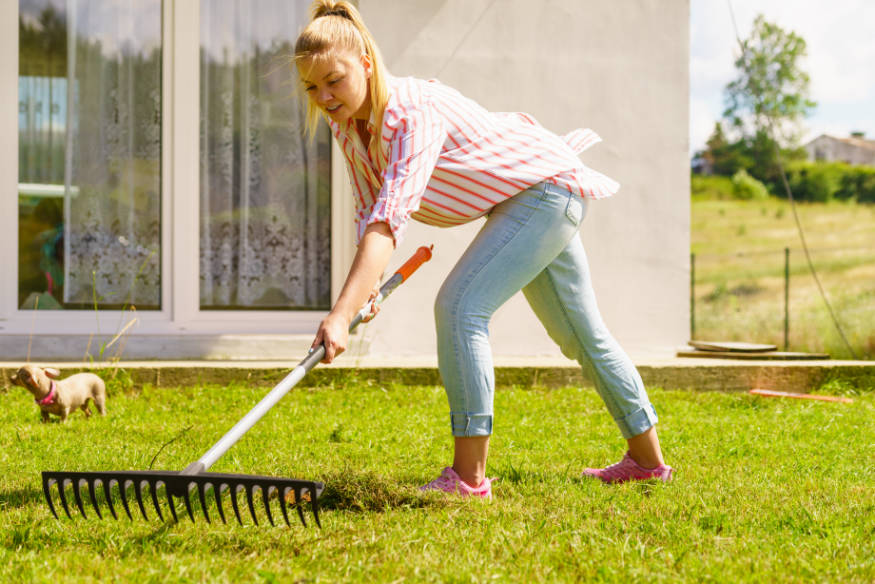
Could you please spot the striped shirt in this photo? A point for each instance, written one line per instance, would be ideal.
(444, 160)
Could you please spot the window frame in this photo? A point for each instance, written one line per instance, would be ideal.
(180, 312)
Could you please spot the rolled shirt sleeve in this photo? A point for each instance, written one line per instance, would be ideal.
(417, 137)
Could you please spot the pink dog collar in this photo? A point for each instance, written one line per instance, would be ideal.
(49, 399)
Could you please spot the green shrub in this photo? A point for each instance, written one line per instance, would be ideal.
(857, 183)
(747, 188)
(816, 181)
(710, 187)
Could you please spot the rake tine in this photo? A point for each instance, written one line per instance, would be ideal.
(234, 503)
(217, 492)
(62, 484)
(78, 497)
(265, 492)
(47, 491)
(138, 493)
(299, 505)
(123, 493)
(283, 505)
(251, 506)
(314, 505)
(107, 493)
(93, 498)
(170, 500)
(185, 495)
(153, 488)
(202, 495)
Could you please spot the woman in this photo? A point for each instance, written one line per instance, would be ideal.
(418, 149)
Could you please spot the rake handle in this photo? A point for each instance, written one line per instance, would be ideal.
(422, 255)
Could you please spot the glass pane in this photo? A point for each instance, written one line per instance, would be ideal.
(264, 188)
(89, 146)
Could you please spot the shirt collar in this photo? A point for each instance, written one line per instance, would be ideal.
(372, 123)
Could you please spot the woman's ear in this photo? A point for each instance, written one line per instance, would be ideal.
(367, 64)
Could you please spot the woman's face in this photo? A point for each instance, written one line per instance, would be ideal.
(338, 85)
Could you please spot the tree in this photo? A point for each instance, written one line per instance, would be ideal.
(771, 94)
(724, 157)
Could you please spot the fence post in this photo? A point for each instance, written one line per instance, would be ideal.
(786, 298)
(692, 296)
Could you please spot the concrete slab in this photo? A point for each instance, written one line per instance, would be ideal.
(691, 374)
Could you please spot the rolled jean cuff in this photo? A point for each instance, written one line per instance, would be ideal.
(638, 421)
(470, 424)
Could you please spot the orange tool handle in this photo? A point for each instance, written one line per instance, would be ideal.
(422, 255)
(818, 397)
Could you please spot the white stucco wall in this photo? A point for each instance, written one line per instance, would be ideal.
(620, 68)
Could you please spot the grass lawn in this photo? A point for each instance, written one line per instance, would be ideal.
(739, 248)
(766, 490)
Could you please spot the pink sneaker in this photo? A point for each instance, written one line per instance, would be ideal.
(449, 482)
(629, 470)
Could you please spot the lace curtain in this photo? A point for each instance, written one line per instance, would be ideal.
(264, 187)
(112, 178)
(264, 220)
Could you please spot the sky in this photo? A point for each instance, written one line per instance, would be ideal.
(840, 35)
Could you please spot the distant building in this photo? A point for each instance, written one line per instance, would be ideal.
(854, 150)
(702, 164)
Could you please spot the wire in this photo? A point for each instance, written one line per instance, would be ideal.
(789, 191)
(464, 38)
(166, 444)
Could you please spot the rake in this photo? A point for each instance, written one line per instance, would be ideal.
(152, 487)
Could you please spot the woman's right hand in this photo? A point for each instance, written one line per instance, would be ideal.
(374, 307)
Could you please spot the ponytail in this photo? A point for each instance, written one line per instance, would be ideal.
(336, 25)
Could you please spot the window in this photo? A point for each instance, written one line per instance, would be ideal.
(89, 151)
(165, 170)
(264, 187)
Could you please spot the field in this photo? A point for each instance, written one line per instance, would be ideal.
(739, 271)
(766, 490)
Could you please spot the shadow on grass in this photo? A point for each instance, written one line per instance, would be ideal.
(157, 534)
(17, 498)
(367, 491)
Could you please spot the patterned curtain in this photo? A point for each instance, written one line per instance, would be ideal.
(112, 173)
(264, 187)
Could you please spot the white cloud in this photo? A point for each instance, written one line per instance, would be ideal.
(702, 118)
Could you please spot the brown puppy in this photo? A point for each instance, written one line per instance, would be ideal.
(62, 397)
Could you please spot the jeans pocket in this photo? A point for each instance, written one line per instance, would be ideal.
(574, 210)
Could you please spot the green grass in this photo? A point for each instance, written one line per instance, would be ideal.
(766, 490)
(739, 248)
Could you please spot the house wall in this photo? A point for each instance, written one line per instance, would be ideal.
(618, 68)
(850, 150)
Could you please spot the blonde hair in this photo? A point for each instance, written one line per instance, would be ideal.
(335, 26)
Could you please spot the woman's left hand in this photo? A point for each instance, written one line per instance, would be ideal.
(370, 260)
(333, 334)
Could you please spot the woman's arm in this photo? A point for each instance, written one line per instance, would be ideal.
(370, 262)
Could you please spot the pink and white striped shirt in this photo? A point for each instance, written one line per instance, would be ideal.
(444, 160)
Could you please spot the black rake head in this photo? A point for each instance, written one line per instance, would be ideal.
(157, 489)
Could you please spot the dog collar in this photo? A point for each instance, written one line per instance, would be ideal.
(49, 399)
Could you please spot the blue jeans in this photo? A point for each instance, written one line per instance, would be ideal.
(530, 242)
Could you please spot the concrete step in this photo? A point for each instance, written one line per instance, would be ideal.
(689, 374)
